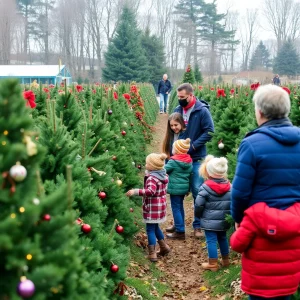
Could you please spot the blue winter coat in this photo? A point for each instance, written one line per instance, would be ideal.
(199, 126)
(268, 168)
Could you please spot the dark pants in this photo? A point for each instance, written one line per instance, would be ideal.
(274, 298)
(153, 233)
(178, 212)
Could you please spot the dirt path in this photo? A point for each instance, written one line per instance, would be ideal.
(183, 266)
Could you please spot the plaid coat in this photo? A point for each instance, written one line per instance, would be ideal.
(154, 199)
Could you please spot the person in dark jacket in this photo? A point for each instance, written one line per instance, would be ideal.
(276, 80)
(179, 169)
(211, 207)
(199, 126)
(268, 163)
(164, 89)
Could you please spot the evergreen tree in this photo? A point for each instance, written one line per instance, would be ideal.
(188, 76)
(154, 50)
(287, 61)
(198, 74)
(261, 58)
(38, 237)
(189, 12)
(212, 31)
(125, 57)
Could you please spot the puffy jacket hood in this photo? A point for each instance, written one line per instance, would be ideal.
(281, 130)
(275, 224)
(184, 160)
(219, 186)
(160, 175)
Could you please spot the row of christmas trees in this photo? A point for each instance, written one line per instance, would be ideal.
(66, 162)
(233, 114)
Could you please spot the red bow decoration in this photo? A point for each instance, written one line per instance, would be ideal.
(133, 89)
(254, 86)
(127, 97)
(116, 96)
(79, 88)
(232, 91)
(286, 89)
(51, 86)
(121, 289)
(200, 87)
(220, 93)
(30, 97)
(212, 89)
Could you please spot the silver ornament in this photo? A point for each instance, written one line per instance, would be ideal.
(18, 172)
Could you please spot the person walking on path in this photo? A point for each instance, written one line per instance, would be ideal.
(268, 162)
(269, 240)
(276, 80)
(179, 169)
(211, 207)
(199, 126)
(164, 89)
(154, 202)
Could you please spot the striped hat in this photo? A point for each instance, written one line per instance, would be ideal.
(181, 146)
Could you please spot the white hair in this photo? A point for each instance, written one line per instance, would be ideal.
(273, 101)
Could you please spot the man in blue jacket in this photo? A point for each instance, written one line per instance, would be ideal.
(268, 167)
(164, 89)
(199, 126)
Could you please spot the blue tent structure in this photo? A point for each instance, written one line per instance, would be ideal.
(44, 74)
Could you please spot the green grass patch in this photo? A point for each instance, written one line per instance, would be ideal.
(151, 282)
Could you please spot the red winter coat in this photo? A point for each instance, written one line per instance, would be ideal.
(154, 200)
(269, 239)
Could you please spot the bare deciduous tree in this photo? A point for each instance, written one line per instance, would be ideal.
(283, 19)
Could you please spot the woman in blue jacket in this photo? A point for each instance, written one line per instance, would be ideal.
(268, 167)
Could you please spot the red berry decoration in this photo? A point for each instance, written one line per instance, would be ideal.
(46, 217)
(123, 132)
(114, 268)
(102, 195)
(119, 229)
(131, 209)
(114, 157)
(86, 228)
(109, 112)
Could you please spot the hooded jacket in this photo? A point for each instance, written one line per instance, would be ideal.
(179, 169)
(213, 204)
(199, 127)
(268, 168)
(269, 239)
(154, 196)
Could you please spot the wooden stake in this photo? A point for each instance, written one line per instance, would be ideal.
(69, 186)
(95, 147)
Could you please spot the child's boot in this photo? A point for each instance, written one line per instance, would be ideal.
(225, 261)
(164, 249)
(152, 253)
(212, 265)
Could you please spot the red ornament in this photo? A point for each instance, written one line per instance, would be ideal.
(47, 217)
(102, 195)
(114, 157)
(119, 229)
(123, 132)
(114, 268)
(86, 228)
(232, 91)
(131, 209)
(139, 166)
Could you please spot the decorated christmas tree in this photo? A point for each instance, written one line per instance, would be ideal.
(39, 246)
(189, 76)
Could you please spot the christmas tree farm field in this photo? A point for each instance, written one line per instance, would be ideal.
(66, 161)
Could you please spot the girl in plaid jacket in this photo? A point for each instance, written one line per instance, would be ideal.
(154, 203)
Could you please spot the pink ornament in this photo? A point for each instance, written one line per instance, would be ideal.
(26, 288)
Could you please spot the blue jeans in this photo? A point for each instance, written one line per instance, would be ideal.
(153, 233)
(274, 298)
(178, 212)
(196, 182)
(212, 237)
(163, 102)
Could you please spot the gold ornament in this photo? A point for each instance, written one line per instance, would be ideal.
(29, 257)
(119, 182)
(21, 209)
(5, 132)
(30, 146)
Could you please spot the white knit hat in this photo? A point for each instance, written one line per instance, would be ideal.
(217, 167)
